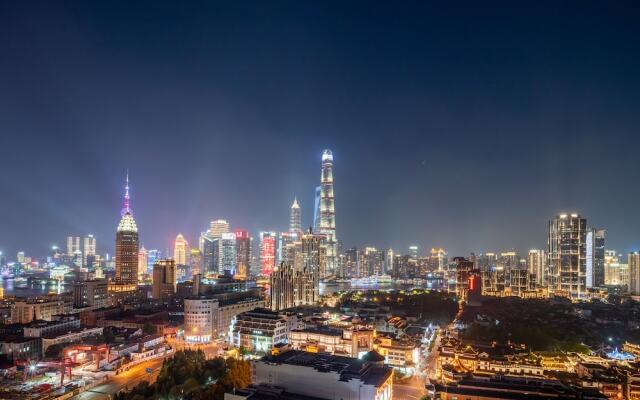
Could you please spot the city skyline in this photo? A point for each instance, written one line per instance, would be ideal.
(436, 124)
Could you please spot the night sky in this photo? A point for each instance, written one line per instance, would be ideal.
(466, 125)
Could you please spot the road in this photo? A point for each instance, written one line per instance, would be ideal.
(126, 380)
(411, 389)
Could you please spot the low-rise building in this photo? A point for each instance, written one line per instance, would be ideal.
(350, 342)
(400, 353)
(326, 376)
(24, 312)
(21, 348)
(259, 330)
(71, 336)
(58, 324)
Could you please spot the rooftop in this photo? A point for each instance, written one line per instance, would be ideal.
(348, 368)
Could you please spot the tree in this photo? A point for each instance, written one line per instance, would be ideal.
(149, 328)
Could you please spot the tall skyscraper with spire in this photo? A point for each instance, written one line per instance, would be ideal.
(327, 210)
(295, 222)
(127, 243)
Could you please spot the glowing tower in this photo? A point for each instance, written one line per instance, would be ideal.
(127, 244)
(327, 210)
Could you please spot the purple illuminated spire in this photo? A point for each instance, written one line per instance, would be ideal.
(126, 209)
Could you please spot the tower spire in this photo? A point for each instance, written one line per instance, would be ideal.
(126, 209)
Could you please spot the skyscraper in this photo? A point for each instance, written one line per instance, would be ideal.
(164, 279)
(634, 273)
(143, 260)
(295, 222)
(181, 250)
(595, 257)
(327, 210)
(243, 253)
(537, 266)
(89, 247)
(316, 209)
(313, 260)
(228, 254)
(127, 244)
(567, 256)
(267, 252)
(217, 228)
(73, 245)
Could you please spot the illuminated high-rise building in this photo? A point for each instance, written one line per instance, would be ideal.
(143, 261)
(217, 228)
(634, 273)
(228, 254)
(373, 261)
(152, 256)
(413, 253)
(438, 259)
(243, 254)
(567, 253)
(89, 248)
(537, 266)
(267, 252)
(313, 260)
(327, 211)
(295, 221)
(316, 208)
(181, 250)
(595, 257)
(195, 261)
(73, 245)
(127, 244)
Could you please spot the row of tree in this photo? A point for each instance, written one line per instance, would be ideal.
(189, 375)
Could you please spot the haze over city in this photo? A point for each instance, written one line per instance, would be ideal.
(463, 126)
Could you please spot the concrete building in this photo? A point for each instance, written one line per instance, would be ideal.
(326, 376)
(92, 293)
(207, 318)
(634, 273)
(259, 330)
(349, 342)
(24, 312)
(164, 279)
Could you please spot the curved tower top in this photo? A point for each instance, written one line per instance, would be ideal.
(127, 223)
(295, 222)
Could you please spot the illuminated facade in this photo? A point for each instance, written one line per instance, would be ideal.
(127, 244)
(327, 211)
(634, 273)
(181, 250)
(295, 219)
(243, 254)
(73, 245)
(89, 248)
(567, 254)
(143, 259)
(267, 252)
(595, 257)
(228, 254)
(537, 266)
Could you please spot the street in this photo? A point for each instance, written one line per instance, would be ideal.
(125, 380)
(411, 389)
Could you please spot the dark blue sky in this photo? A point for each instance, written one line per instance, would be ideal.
(464, 125)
